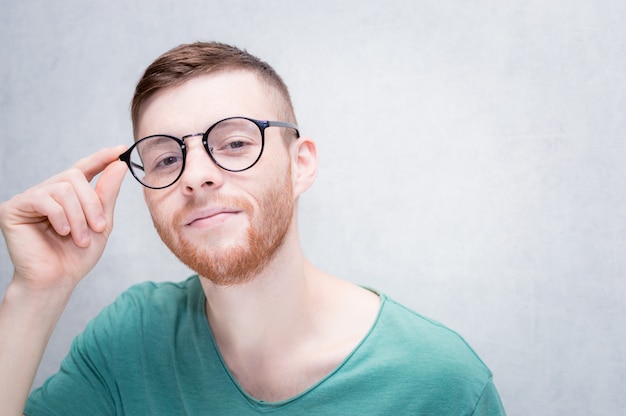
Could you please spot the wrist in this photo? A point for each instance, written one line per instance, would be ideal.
(24, 293)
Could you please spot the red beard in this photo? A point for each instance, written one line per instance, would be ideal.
(238, 264)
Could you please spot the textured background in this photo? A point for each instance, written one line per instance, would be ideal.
(472, 161)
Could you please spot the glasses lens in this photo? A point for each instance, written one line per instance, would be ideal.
(235, 143)
(157, 161)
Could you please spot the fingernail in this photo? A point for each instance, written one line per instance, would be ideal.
(64, 229)
(101, 222)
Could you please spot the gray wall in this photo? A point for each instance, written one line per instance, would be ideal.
(472, 161)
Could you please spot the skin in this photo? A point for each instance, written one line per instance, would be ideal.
(57, 231)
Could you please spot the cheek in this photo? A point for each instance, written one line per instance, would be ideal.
(154, 200)
(157, 197)
(148, 198)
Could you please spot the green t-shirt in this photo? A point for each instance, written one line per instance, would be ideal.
(151, 352)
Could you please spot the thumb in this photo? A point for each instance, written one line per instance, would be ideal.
(108, 187)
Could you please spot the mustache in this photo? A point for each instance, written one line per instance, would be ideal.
(204, 202)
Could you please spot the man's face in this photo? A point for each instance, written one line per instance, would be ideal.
(226, 226)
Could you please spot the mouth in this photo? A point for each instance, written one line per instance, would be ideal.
(210, 217)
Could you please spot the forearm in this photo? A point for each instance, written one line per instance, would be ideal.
(27, 319)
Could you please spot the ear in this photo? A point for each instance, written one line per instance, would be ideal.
(303, 164)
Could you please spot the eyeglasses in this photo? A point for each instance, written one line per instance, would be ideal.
(234, 144)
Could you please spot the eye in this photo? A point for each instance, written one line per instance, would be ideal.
(159, 155)
(169, 160)
(234, 144)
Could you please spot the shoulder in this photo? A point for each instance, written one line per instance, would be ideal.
(160, 294)
(164, 289)
(426, 343)
(423, 359)
(425, 366)
(152, 304)
(395, 316)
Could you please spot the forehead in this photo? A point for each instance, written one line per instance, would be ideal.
(196, 104)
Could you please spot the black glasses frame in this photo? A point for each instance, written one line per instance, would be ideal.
(261, 124)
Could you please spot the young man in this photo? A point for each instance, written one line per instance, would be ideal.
(259, 329)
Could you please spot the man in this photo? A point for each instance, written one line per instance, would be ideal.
(260, 329)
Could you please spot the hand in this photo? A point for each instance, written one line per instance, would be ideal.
(56, 231)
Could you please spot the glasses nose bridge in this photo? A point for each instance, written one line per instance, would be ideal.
(204, 144)
(191, 135)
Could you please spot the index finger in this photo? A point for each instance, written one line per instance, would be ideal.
(95, 163)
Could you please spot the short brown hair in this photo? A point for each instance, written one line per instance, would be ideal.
(187, 61)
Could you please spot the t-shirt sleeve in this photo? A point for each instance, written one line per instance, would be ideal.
(489, 403)
(85, 384)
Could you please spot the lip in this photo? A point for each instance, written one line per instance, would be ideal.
(209, 217)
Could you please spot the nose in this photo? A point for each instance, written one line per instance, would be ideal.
(200, 170)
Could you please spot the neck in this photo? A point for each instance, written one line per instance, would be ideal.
(275, 307)
(289, 326)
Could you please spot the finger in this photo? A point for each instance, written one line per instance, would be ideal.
(91, 214)
(60, 206)
(92, 202)
(66, 196)
(73, 180)
(91, 209)
(94, 164)
(108, 187)
(41, 207)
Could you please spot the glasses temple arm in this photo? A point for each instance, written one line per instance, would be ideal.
(283, 124)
